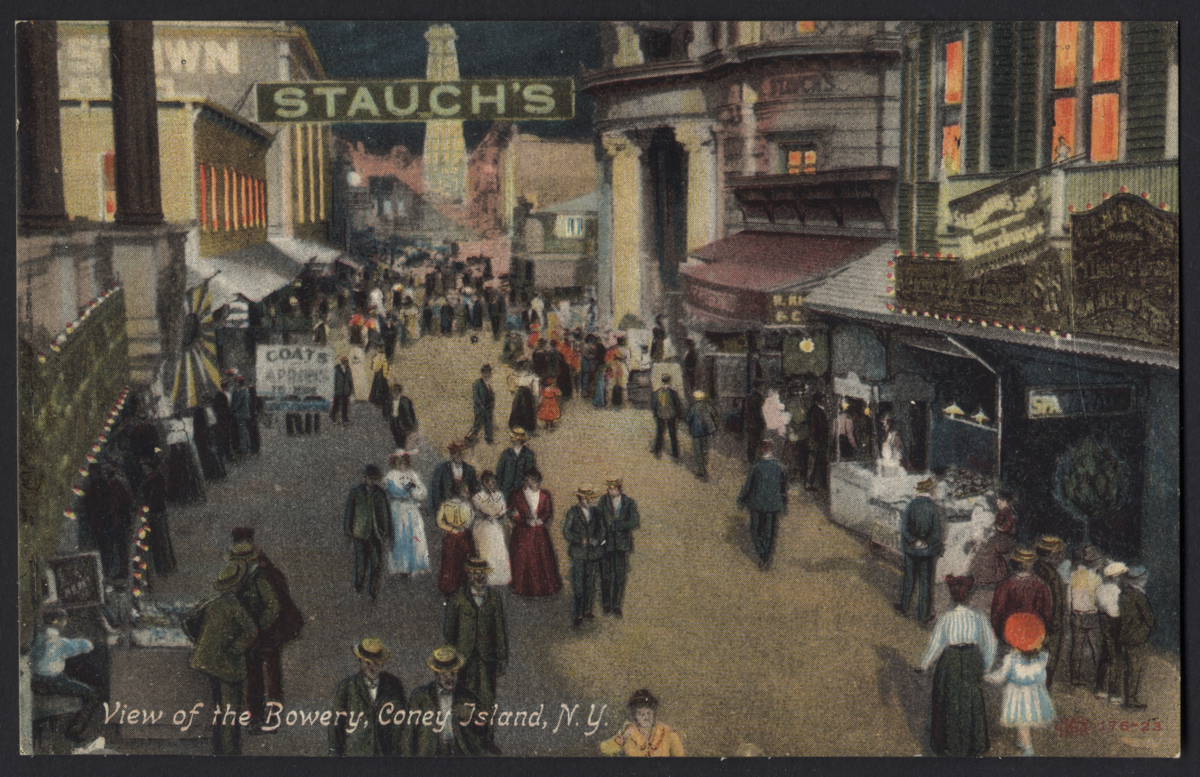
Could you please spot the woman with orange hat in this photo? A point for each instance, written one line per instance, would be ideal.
(1026, 702)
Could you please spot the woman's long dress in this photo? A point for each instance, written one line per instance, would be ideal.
(534, 565)
(184, 480)
(210, 463)
(959, 724)
(488, 531)
(410, 551)
(524, 405)
(454, 518)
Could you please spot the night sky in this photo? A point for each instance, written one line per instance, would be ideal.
(485, 49)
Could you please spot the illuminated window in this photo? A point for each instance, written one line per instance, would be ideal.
(749, 32)
(1064, 128)
(1106, 123)
(806, 28)
(800, 160)
(952, 148)
(1066, 43)
(954, 72)
(1106, 52)
(108, 180)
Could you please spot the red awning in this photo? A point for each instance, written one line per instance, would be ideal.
(737, 273)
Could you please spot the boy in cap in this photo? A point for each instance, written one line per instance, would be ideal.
(226, 632)
(702, 423)
(367, 521)
(1049, 554)
(458, 718)
(474, 624)
(359, 703)
(584, 530)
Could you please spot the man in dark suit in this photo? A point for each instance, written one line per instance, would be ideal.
(361, 700)
(620, 517)
(921, 543)
(818, 445)
(343, 390)
(496, 309)
(584, 530)
(483, 401)
(514, 462)
(667, 410)
(241, 412)
(1136, 625)
(402, 417)
(441, 483)
(367, 521)
(1049, 554)
(474, 624)
(463, 731)
(764, 494)
(753, 422)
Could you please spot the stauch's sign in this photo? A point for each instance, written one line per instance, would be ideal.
(1000, 220)
(489, 99)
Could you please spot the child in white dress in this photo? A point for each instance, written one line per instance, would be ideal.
(1026, 702)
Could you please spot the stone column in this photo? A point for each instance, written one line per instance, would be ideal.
(702, 193)
(39, 137)
(626, 159)
(135, 123)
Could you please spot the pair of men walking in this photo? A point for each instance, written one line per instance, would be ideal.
(599, 538)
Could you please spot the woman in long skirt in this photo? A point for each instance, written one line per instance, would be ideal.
(1026, 703)
(210, 463)
(184, 481)
(488, 529)
(454, 519)
(964, 646)
(524, 403)
(534, 565)
(380, 395)
(405, 491)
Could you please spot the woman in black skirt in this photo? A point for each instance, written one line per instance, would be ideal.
(210, 462)
(184, 481)
(524, 403)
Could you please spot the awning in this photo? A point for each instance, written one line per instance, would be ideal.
(729, 283)
(252, 272)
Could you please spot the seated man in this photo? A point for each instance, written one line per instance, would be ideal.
(48, 660)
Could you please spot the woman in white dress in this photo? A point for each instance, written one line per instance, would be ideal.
(488, 529)
(406, 492)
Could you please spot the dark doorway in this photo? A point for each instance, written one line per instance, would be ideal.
(668, 183)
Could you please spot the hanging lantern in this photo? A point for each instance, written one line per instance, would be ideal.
(953, 410)
(980, 417)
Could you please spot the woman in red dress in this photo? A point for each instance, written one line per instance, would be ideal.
(548, 413)
(534, 565)
(454, 518)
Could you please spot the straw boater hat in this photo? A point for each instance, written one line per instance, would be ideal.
(476, 564)
(372, 650)
(1115, 569)
(615, 482)
(518, 433)
(698, 395)
(241, 551)
(1024, 631)
(229, 577)
(585, 492)
(1050, 543)
(1023, 556)
(445, 659)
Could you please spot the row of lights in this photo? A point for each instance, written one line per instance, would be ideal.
(72, 326)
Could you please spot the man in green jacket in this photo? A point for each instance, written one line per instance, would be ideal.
(1137, 622)
(447, 719)
(257, 596)
(474, 624)
(362, 700)
(367, 521)
(619, 514)
(226, 633)
(667, 410)
(584, 530)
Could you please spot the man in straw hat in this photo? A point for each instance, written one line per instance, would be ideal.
(702, 423)
(1085, 617)
(584, 530)
(1049, 550)
(764, 494)
(921, 542)
(620, 517)
(362, 701)
(457, 724)
(1021, 591)
(667, 410)
(1109, 671)
(367, 521)
(446, 473)
(514, 462)
(226, 632)
(474, 624)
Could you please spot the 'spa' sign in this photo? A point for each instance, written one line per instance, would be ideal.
(519, 99)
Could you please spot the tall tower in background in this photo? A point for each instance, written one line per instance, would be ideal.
(445, 149)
